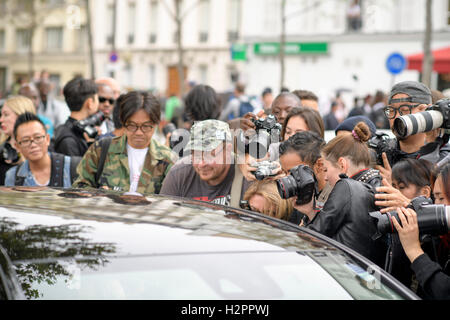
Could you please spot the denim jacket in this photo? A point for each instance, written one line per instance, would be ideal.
(25, 172)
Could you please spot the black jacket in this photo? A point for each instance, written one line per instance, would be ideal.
(345, 218)
(434, 282)
(68, 141)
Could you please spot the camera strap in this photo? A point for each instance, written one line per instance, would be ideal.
(236, 187)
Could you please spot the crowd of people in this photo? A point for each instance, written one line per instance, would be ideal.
(122, 141)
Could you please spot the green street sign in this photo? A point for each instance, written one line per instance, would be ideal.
(238, 52)
(291, 48)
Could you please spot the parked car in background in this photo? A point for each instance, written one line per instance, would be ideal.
(74, 244)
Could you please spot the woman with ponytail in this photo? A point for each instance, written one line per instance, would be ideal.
(345, 216)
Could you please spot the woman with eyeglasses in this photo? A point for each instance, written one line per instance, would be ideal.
(12, 108)
(133, 162)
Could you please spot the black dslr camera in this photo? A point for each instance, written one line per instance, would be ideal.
(435, 116)
(380, 143)
(8, 153)
(267, 132)
(433, 219)
(301, 183)
(88, 125)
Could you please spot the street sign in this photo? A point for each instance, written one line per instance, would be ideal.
(291, 48)
(238, 52)
(113, 57)
(395, 63)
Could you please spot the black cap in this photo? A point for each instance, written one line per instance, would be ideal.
(416, 91)
(350, 123)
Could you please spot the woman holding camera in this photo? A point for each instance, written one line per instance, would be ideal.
(345, 215)
(12, 108)
(434, 281)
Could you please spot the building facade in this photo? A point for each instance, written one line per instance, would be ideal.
(326, 54)
(144, 42)
(59, 43)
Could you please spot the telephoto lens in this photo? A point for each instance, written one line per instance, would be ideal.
(424, 121)
(432, 219)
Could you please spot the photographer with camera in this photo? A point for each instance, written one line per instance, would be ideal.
(407, 101)
(423, 231)
(411, 225)
(410, 179)
(345, 215)
(11, 110)
(303, 148)
(78, 132)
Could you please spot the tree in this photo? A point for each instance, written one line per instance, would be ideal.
(178, 18)
(427, 63)
(90, 40)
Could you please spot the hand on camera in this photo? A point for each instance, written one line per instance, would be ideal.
(408, 232)
(247, 169)
(246, 121)
(385, 170)
(390, 197)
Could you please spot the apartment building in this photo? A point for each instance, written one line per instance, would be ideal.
(59, 41)
(145, 44)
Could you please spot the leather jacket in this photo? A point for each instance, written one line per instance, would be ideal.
(345, 218)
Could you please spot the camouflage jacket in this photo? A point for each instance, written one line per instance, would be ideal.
(116, 171)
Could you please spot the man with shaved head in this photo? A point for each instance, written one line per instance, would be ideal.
(112, 83)
(107, 101)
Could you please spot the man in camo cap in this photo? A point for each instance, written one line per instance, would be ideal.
(209, 174)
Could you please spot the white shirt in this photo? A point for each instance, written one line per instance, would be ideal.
(136, 159)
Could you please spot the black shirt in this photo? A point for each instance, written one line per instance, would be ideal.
(69, 141)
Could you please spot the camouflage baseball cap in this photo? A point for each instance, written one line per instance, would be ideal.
(207, 135)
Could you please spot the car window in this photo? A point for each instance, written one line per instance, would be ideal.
(257, 275)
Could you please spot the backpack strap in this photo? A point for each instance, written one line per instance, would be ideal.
(57, 170)
(236, 187)
(18, 181)
(104, 146)
(74, 161)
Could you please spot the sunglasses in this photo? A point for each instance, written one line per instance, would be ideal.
(103, 100)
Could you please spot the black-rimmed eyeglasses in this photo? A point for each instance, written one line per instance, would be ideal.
(391, 112)
(133, 127)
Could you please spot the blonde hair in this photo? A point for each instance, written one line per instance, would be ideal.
(18, 105)
(278, 207)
